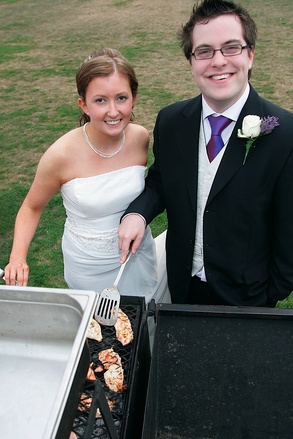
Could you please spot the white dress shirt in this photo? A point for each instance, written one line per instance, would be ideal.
(207, 171)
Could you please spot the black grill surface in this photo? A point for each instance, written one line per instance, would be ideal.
(120, 411)
(221, 373)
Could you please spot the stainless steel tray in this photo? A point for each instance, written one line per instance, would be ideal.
(42, 336)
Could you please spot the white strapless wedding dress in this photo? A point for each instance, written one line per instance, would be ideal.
(94, 206)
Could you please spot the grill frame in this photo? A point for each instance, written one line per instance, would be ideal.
(136, 362)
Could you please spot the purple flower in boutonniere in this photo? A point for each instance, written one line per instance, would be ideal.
(253, 127)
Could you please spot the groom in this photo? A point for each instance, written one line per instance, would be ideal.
(226, 182)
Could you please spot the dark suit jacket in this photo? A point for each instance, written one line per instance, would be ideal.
(248, 219)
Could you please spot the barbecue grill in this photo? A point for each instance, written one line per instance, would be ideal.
(215, 373)
(220, 373)
(44, 359)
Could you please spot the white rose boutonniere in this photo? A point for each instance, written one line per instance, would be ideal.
(253, 127)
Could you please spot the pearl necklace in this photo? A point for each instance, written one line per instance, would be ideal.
(100, 153)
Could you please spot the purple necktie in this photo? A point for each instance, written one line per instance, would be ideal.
(218, 124)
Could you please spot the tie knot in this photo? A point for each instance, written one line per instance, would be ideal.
(218, 124)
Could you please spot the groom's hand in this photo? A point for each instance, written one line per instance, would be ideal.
(130, 234)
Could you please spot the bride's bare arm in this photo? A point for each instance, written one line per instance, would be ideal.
(45, 185)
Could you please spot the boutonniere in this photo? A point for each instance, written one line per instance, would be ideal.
(253, 127)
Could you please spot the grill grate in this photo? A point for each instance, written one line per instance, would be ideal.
(120, 400)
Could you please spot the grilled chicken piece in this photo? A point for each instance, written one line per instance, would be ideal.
(94, 331)
(90, 373)
(114, 377)
(108, 357)
(85, 404)
(124, 332)
(114, 374)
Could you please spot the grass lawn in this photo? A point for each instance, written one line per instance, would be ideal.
(42, 44)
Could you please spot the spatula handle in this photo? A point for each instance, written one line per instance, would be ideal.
(121, 269)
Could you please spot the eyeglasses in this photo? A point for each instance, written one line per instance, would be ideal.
(229, 50)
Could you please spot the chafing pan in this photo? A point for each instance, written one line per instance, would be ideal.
(42, 340)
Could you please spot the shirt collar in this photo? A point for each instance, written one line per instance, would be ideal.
(232, 112)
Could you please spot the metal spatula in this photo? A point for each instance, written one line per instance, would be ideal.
(109, 300)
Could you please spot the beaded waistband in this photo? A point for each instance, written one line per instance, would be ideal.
(90, 239)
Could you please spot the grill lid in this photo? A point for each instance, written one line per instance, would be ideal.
(220, 372)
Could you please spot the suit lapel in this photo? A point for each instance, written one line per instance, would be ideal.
(187, 134)
(187, 138)
(233, 157)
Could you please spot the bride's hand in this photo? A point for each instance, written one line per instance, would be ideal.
(130, 235)
(16, 273)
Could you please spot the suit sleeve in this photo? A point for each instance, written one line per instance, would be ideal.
(281, 269)
(150, 202)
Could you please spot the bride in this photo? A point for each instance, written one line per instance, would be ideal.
(99, 168)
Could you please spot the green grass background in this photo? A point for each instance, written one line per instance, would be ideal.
(42, 44)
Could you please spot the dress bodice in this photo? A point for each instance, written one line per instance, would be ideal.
(91, 255)
(98, 202)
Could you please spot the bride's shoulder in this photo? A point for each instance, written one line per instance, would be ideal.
(138, 130)
(138, 133)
